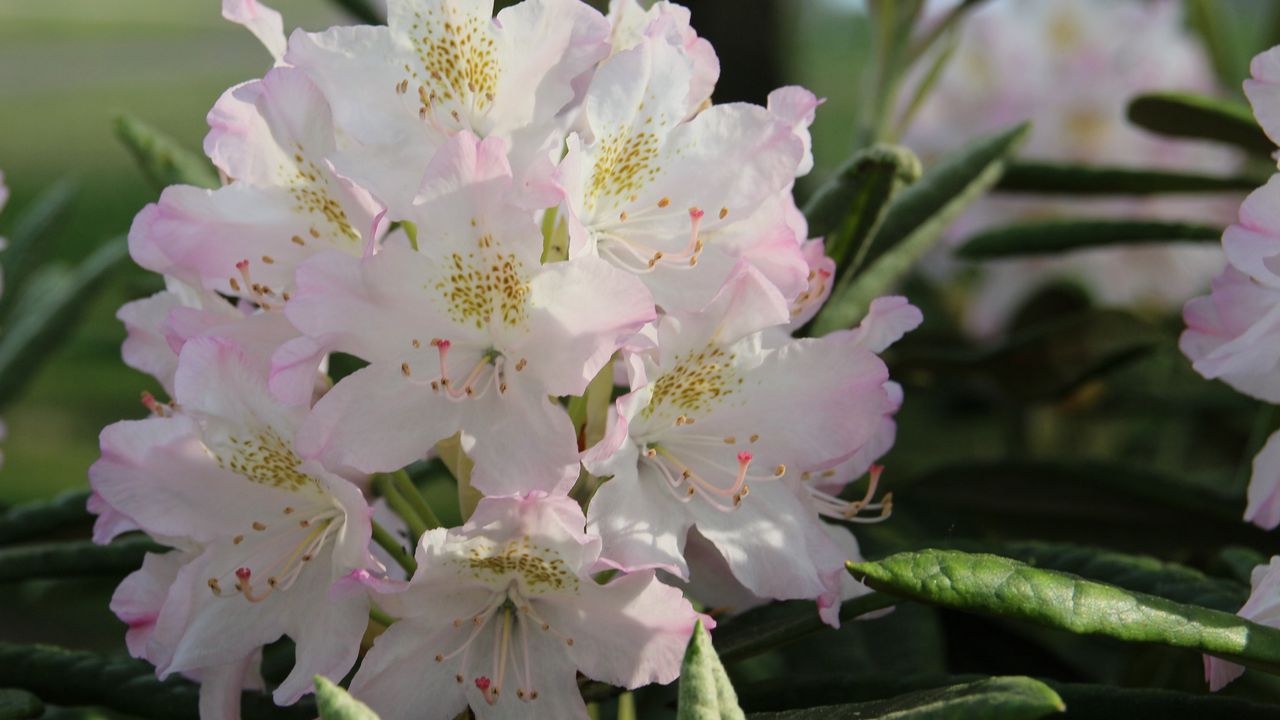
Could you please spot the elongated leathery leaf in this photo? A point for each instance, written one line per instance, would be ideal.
(74, 678)
(705, 691)
(1093, 701)
(1132, 572)
(74, 559)
(916, 220)
(48, 310)
(1050, 237)
(848, 208)
(1204, 118)
(1046, 178)
(1000, 698)
(334, 703)
(29, 520)
(29, 235)
(766, 627)
(1000, 586)
(19, 705)
(162, 159)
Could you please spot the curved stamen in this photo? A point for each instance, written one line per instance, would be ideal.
(834, 507)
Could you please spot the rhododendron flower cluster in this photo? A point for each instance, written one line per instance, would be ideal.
(1233, 334)
(490, 213)
(1079, 63)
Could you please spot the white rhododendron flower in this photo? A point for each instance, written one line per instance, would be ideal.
(503, 613)
(487, 214)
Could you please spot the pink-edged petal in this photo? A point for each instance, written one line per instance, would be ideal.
(820, 280)
(157, 473)
(226, 386)
(887, 320)
(630, 632)
(138, 599)
(201, 235)
(1263, 91)
(409, 420)
(711, 581)
(584, 310)
(1263, 606)
(745, 304)
(327, 632)
(1234, 334)
(824, 400)
(1264, 486)
(146, 348)
(266, 24)
(796, 107)
(773, 543)
(110, 523)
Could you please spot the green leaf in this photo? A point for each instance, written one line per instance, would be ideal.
(1051, 237)
(1227, 41)
(705, 692)
(1093, 701)
(1049, 361)
(74, 559)
(30, 520)
(162, 159)
(847, 208)
(455, 458)
(1049, 178)
(76, 678)
(334, 703)
(916, 220)
(19, 705)
(50, 306)
(1239, 562)
(1132, 572)
(999, 698)
(1204, 118)
(362, 10)
(994, 585)
(764, 628)
(28, 237)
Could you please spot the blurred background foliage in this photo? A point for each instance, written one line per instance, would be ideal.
(1082, 425)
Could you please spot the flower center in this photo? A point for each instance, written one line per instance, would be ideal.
(508, 616)
(695, 384)
(489, 371)
(623, 245)
(484, 289)
(264, 458)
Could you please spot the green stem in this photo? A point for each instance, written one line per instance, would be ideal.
(380, 617)
(405, 485)
(385, 486)
(388, 542)
(626, 706)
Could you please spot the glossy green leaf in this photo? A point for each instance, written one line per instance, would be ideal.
(1049, 178)
(31, 520)
(999, 698)
(162, 159)
(1203, 118)
(768, 626)
(1092, 701)
(848, 208)
(705, 692)
(1132, 572)
(334, 703)
(19, 705)
(1051, 237)
(74, 678)
(74, 559)
(1000, 586)
(916, 220)
(47, 312)
(28, 237)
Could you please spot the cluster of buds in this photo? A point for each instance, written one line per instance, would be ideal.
(493, 214)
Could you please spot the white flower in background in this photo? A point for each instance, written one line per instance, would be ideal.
(1078, 63)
